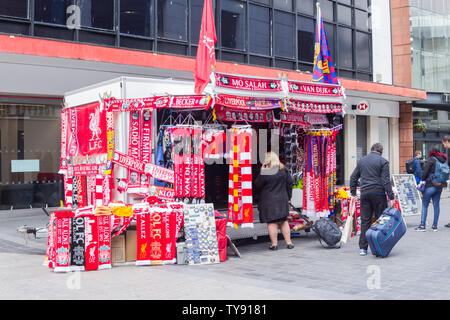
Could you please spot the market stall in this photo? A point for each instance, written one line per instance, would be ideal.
(143, 154)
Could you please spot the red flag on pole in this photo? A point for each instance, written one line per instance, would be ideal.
(206, 57)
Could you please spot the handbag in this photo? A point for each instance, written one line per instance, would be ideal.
(348, 228)
(421, 186)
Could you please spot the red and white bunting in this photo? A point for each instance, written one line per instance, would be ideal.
(315, 107)
(315, 89)
(248, 84)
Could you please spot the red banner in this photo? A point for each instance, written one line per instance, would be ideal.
(315, 89)
(242, 102)
(63, 164)
(191, 102)
(229, 114)
(104, 242)
(250, 84)
(86, 169)
(137, 104)
(315, 107)
(129, 162)
(146, 149)
(163, 193)
(156, 240)
(293, 118)
(159, 173)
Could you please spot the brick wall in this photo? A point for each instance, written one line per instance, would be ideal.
(401, 50)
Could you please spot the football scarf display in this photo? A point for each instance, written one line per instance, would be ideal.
(189, 171)
(200, 234)
(319, 173)
(240, 198)
(91, 243)
(62, 244)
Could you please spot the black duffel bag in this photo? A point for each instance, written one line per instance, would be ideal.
(327, 231)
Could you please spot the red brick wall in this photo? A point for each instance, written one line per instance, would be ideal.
(405, 134)
(401, 50)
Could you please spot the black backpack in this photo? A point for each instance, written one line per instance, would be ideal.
(327, 231)
(410, 166)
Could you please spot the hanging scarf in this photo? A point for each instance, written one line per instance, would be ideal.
(91, 243)
(62, 244)
(77, 244)
(104, 242)
(143, 238)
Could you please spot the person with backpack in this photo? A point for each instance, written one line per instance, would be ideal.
(375, 182)
(435, 176)
(414, 166)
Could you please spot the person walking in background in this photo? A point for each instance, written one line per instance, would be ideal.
(418, 166)
(434, 185)
(446, 144)
(373, 173)
(274, 186)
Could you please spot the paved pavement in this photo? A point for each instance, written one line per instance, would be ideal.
(418, 268)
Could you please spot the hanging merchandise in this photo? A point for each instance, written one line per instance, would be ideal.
(214, 138)
(319, 174)
(160, 158)
(134, 149)
(240, 199)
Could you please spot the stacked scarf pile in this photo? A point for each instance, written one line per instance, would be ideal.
(240, 198)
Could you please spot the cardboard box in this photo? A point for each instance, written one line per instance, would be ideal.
(118, 249)
(130, 245)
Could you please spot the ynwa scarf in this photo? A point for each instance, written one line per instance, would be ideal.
(104, 242)
(62, 244)
(240, 199)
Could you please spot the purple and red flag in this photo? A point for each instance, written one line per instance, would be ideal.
(323, 64)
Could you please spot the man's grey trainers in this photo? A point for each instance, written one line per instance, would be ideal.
(420, 228)
(362, 252)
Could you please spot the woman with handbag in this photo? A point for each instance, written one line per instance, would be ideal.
(433, 187)
(274, 186)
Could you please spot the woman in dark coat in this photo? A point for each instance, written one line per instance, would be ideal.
(274, 186)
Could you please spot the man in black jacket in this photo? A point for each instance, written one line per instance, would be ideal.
(373, 173)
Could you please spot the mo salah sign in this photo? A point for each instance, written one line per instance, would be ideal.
(248, 84)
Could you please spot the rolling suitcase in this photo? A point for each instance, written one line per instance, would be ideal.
(384, 234)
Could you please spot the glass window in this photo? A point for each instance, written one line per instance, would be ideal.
(135, 17)
(14, 8)
(283, 4)
(305, 35)
(344, 15)
(345, 48)
(361, 136)
(362, 48)
(172, 17)
(362, 20)
(327, 10)
(349, 2)
(259, 30)
(233, 24)
(362, 4)
(263, 1)
(51, 11)
(282, 34)
(30, 156)
(196, 19)
(97, 13)
(306, 6)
